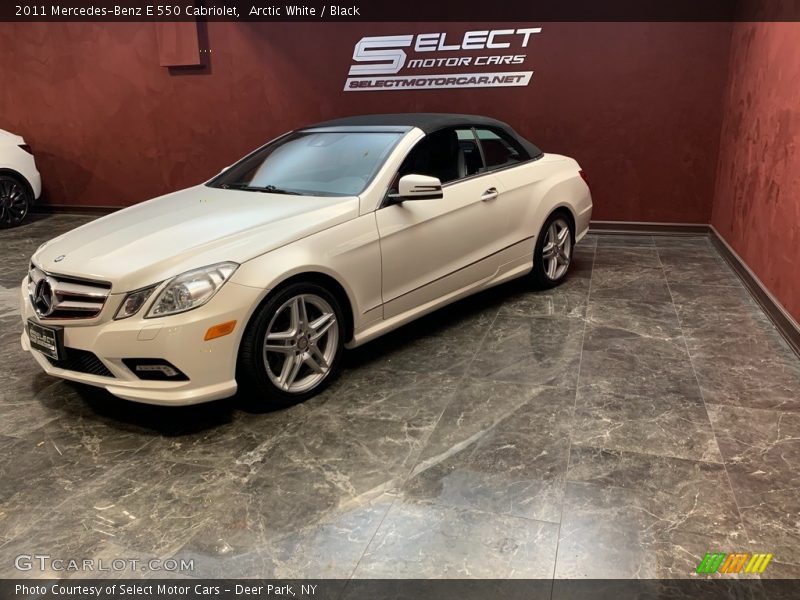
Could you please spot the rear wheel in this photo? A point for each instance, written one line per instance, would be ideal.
(292, 347)
(553, 253)
(15, 200)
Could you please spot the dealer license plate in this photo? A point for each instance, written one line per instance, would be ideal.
(46, 340)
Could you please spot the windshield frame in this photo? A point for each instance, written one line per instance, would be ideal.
(219, 181)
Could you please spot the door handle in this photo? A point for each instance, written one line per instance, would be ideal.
(490, 194)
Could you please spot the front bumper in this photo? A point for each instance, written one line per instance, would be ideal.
(209, 365)
(36, 184)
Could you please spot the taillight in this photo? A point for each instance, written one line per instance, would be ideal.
(583, 175)
(27, 148)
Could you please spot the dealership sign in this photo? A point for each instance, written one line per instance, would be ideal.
(481, 58)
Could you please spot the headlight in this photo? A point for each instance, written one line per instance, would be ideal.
(133, 302)
(191, 289)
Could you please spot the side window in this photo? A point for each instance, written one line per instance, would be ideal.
(498, 150)
(449, 154)
(470, 153)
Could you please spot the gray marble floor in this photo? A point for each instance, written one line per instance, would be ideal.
(622, 425)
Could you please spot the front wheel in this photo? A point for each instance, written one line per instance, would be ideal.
(553, 252)
(292, 347)
(15, 200)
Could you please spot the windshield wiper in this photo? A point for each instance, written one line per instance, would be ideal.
(276, 190)
(267, 189)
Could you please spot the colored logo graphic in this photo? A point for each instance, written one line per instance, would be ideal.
(719, 562)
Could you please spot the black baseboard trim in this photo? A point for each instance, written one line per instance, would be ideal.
(639, 228)
(784, 322)
(61, 209)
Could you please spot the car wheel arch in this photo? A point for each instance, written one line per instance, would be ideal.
(566, 210)
(19, 176)
(324, 280)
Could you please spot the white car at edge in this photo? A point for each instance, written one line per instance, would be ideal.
(324, 238)
(20, 182)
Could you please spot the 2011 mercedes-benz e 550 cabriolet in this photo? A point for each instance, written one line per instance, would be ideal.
(322, 239)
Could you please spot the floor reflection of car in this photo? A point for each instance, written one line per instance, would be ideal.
(20, 183)
(324, 238)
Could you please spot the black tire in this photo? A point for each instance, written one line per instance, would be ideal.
(15, 201)
(541, 276)
(256, 368)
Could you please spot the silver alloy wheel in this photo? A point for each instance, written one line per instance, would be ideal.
(301, 343)
(13, 203)
(557, 250)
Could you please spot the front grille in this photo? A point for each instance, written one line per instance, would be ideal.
(81, 361)
(61, 297)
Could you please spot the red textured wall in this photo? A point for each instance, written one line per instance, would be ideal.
(637, 104)
(757, 201)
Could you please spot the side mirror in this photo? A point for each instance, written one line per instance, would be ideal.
(417, 187)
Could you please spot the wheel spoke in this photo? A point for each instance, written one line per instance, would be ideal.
(286, 368)
(321, 325)
(294, 316)
(280, 336)
(319, 357)
(549, 250)
(288, 349)
(291, 367)
(552, 266)
(562, 237)
(316, 363)
(303, 313)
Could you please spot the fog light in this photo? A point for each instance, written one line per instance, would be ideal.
(154, 369)
(163, 369)
(219, 330)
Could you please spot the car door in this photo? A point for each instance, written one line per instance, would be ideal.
(519, 178)
(435, 248)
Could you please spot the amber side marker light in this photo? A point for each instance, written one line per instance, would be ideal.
(219, 330)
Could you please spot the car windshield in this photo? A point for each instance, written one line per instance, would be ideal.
(312, 163)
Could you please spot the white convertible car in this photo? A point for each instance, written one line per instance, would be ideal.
(322, 239)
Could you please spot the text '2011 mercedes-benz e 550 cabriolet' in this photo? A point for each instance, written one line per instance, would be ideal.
(322, 239)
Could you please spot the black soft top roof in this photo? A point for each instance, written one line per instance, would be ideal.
(428, 122)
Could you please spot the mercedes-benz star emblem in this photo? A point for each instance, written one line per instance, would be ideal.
(59, 258)
(43, 298)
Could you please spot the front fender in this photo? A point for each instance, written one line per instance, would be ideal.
(348, 253)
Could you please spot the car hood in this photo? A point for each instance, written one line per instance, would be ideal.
(199, 226)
